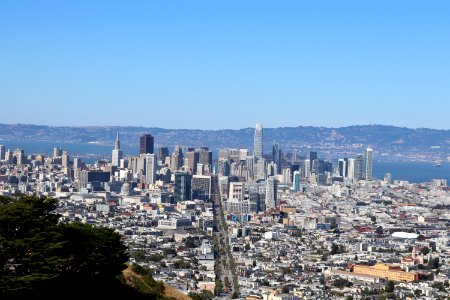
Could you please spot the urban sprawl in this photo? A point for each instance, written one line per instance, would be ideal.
(254, 225)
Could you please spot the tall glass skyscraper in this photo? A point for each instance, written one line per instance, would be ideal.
(369, 160)
(146, 144)
(258, 142)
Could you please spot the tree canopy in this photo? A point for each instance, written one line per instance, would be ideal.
(40, 256)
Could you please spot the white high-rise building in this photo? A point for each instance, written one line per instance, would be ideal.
(261, 170)
(57, 152)
(65, 159)
(258, 142)
(237, 190)
(117, 154)
(286, 175)
(243, 153)
(351, 168)
(20, 156)
(307, 168)
(150, 168)
(271, 193)
(369, 162)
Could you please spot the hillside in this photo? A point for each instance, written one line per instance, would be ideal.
(390, 140)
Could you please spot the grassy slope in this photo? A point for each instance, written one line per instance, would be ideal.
(137, 281)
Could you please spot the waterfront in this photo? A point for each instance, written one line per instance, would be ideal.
(404, 170)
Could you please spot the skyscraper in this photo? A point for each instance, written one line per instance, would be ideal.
(258, 142)
(177, 159)
(20, 156)
(271, 193)
(369, 160)
(117, 154)
(65, 159)
(163, 152)
(351, 168)
(146, 143)
(193, 160)
(276, 157)
(205, 156)
(150, 168)
(57, 152)
(182, 188)
(201, 187)
(359, 167)
(2, 152)
(296, 181)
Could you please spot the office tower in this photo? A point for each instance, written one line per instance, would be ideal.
(140, 165)
(271, 193)
(312, 156)
(369, 158)
(146, 144)
(182, 188)
(163, 152)
(223, 167)
(359, 167)
(200, 169)
(2, 152)
(20, 156)
(276, 157)
(177, 159)
(342, 165)
(237, 191)
(192, 160)
(243, 154)
(351, 168)
(233, 155)
(286, 175)
(77, 163)
(150, 168)
(86, 177)
(65, 159)
(307, 168)
(117, 154)
(8, 156)
(258, 142)
(201, 187)
(57, 152)
(165, 174)
(270, 169)
(77, 167)
(205, 156)
(250, 164)
(296, 181)
(261, 169)
(223, 154)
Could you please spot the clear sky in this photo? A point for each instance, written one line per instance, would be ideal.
(225, 64)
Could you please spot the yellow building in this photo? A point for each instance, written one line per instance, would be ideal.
(387, 272)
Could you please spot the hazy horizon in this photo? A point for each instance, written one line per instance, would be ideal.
(219, 129)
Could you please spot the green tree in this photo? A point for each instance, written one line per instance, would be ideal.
(390, 286)
(203, 295)
(433, 263)
(40, 257)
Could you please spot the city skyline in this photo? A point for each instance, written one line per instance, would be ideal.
(367, 62)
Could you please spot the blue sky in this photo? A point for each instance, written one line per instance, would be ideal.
(225, 64)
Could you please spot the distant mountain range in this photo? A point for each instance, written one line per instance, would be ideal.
(388, 141)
